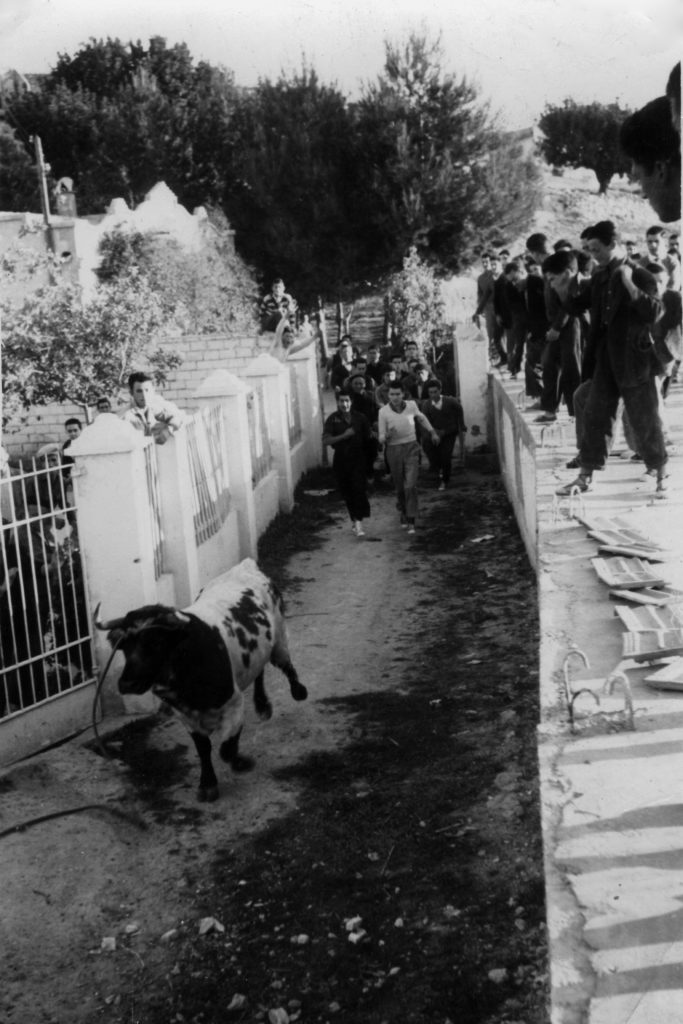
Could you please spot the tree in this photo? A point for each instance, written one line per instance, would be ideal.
(425, 141)
(205, 292)
(117, 118)
(416, 306)
(293, 182)
(506, 195)
(19, 189)
(585, 135)
(55, 348)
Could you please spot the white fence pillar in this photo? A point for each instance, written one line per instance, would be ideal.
(224, 388)
(472, 368)
(306, 367)
(177, 524)
(274, 377)
(114, 529)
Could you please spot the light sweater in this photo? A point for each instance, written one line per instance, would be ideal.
(397, 427)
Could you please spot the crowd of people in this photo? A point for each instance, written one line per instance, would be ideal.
(595, 325)
(596, 322)
(394, 406)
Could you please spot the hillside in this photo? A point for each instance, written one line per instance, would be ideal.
(570, 203)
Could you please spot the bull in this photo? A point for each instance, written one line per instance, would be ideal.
(201, 659)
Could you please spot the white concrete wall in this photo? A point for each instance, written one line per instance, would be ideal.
(471, 368)
(516, 451)
(266, 501)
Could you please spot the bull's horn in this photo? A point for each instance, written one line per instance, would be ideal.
(112, 624)
(181, 617)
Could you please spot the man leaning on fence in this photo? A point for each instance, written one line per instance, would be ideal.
(150, 413)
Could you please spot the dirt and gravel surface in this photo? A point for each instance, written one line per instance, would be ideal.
(382, 863)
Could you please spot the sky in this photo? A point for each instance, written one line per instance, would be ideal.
(521, 53)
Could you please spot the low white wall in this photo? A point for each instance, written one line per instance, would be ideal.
(516, 451)
(300, 463)
(266, 501)
(220, 552)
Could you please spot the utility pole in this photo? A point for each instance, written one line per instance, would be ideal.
(42, 179)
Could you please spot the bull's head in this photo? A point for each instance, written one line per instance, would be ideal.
(146, 637)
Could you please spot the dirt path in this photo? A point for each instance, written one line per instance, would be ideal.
(148, 860)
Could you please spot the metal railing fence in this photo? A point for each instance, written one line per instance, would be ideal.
(208, 458)
(294, 411)
(45, 639)
(259, 439)
(154, 505)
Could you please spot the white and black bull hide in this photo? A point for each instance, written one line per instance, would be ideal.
(201, 659)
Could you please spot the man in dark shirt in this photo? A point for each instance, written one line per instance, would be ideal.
(500, 309)
(623, 305)
(348, 433)
(375, 365)
(562, 355)
(516, 276)
(446, 418)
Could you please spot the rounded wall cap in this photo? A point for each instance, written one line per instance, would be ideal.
(106, 436)
(264, 365)
(221, 384)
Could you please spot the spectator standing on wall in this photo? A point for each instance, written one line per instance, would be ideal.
(396, 431)
(150, 413)
(276, 306)
(348, 433)
(485, 298)
(623, 305)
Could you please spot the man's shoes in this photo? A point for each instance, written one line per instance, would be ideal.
(662, 489)
(636, 457)
(582, 484)
(404, 521)
(411, 528)
(573, 463)
(546, 417)
(442, 486)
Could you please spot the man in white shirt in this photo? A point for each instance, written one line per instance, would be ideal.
(149, 412)
(396, 430)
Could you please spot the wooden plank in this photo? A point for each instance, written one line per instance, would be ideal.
(648, 595)
(631, 573)
(617, 531)
(622, 549)
(650, 617)
(652, 644)
(668, 678)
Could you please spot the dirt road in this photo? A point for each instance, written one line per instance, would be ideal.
(418, 654)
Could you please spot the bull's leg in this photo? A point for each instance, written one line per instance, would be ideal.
(230, 752)
(208, 783)
(280, 658)
(264, 709)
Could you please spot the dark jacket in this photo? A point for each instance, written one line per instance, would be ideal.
(448, 419)
(356, 450)
(622, 313)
